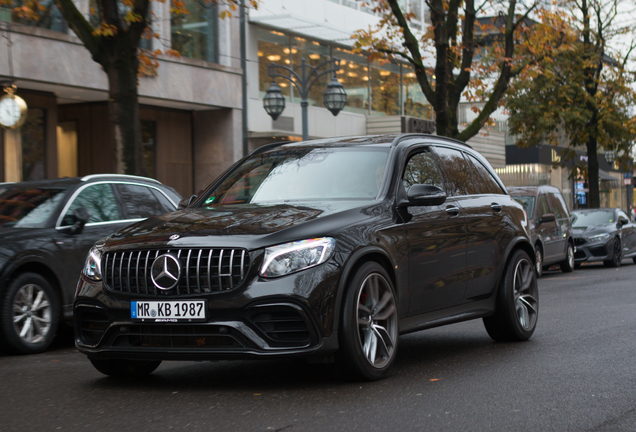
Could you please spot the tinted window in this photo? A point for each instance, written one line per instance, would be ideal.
(167, 205)
(100, 202)
(421, 169)
(486, 176)
(559, 211)
(459, 178)
(28, 208)
(527, 202)
(542, 206)
(479, 181)
(139, 201)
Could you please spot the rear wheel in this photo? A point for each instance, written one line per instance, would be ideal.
(369, 330)
(515, 318)
(617, 255)
(120, 368)
(634, 259)
(567, 266)
(30, 314)
(538, 258)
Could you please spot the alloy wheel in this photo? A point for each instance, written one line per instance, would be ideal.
(617, 253)
(377, 320)
(32, 313)
(525, 298)
(539, 262)
(570, 256)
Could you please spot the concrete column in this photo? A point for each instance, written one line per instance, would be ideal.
(12, 155)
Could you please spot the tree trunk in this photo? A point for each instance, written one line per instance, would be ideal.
(123, 107)
(593, 172)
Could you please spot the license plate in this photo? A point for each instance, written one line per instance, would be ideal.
(168, 311)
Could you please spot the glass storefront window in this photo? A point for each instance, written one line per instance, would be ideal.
(273, 47)
(48, 16)
(34, 145)
(415, 103)
(196, 35)
(354, 77)
(385, 89)
(350, 3)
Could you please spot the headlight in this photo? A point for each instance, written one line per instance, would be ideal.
(93, 266)
(292, 257)
(597, 238)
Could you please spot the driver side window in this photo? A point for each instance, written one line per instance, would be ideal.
(422, 169)
(99, 200)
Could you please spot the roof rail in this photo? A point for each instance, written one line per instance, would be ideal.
(399, 138)
(127, 176)
(268, 147)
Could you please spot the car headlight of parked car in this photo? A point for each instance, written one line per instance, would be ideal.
(598, 238)
(291, 257)
(93, 266)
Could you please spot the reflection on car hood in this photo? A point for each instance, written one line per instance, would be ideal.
(589, 231)
(230, 225)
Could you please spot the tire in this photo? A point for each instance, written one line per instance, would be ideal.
(634, 259)
(30, 309)
(517, 308)
(577, 265)
(538, 252)
(567, 266)
(617, 255)
(369, 330)
(120, 368)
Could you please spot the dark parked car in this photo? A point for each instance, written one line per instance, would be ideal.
(46, 229)
(325, 249)
(604, 234)
(550, 226)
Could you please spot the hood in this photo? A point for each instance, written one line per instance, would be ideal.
(249, 226)
(592, 230)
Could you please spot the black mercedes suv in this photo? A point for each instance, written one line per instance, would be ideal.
(324, 249)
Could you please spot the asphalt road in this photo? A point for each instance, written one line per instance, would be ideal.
(578, 373)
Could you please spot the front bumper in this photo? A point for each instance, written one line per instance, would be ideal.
(599, 251)
(288, 316)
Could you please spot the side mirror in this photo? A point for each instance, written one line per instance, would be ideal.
(548, 217)
(186, 202)
(424, 195)
(622, 221)
(82, 216)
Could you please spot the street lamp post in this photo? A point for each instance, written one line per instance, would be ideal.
(335, 97)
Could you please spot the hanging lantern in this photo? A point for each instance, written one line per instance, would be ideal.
(335, 96)
(274, 101)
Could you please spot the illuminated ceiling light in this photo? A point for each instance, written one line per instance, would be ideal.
(286, 50)
(314, 56)
(294, 50)
(353, 66)
(352, 74)
(287, 61)
(340, 72)
(411, 75)
(273, 57)
(284, 84)
(381, 87)
(260, 54)
(278, 33)
(343, 62)
(434, 77)
(365, 78)
(385, 73)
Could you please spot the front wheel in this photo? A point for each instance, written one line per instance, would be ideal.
(567, 266)
(30, 314)
(120, 368)
(515, 318)
(369, 330)
(617, 255)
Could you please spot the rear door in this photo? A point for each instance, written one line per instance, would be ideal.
(547, 230)
(563, 223)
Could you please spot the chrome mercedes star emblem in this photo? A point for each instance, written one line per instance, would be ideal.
(174, 236)
(165, 272)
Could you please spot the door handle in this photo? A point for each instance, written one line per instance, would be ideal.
(496, 207)
(453, 211)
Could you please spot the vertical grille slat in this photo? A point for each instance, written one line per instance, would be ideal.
(203, 270)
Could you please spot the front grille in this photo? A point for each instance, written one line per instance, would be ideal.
(202, 271)
(180, 337)
(579, 241)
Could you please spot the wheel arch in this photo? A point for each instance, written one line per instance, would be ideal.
(516, 244)
(356, 260)
(33, 267)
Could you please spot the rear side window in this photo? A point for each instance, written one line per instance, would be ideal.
(100, 202)
(542, 206)
(493, 185)
(422, 169)
(458, 175)
(139, 201)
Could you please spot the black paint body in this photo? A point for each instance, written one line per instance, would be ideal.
(445, 267)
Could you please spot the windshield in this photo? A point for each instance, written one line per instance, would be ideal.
(28, 207)
(597, 217)
(527, 202)
(303, 174)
